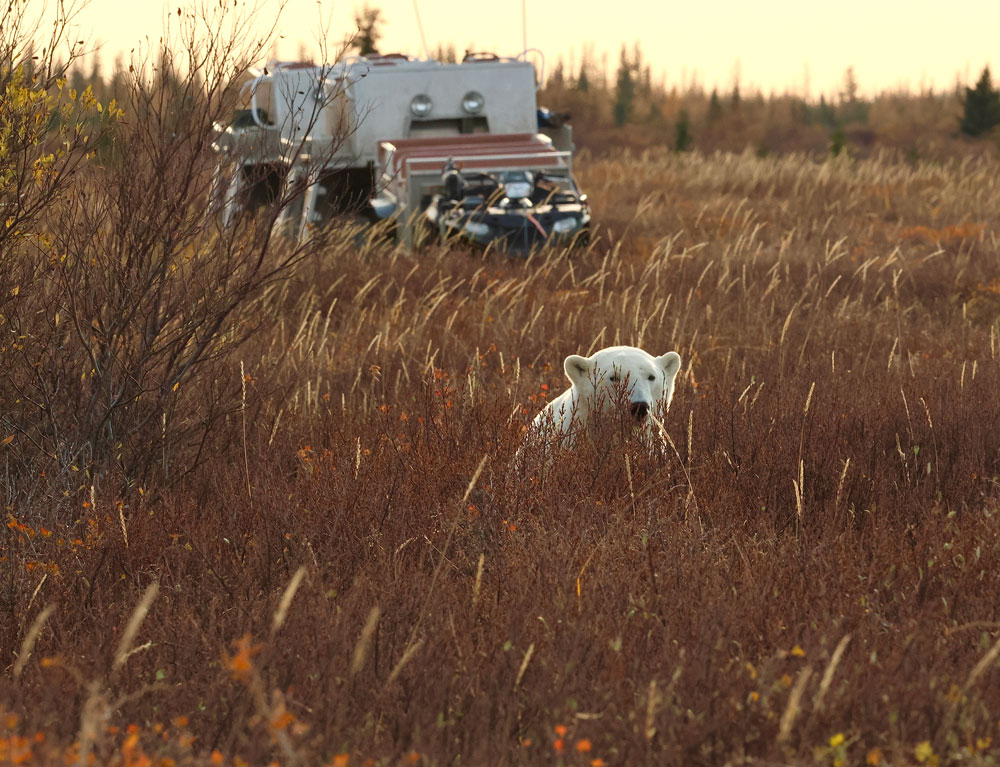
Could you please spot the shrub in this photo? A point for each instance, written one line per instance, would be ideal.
(124, 302)
(682, 132)
(981, 112)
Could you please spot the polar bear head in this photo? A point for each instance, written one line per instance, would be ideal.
(623, 375)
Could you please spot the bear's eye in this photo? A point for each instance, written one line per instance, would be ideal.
(652, 376)
(614, 378)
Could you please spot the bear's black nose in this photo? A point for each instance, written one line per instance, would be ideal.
(639, 410)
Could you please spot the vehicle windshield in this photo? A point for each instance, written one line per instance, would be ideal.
(517, 184)
(538, 187)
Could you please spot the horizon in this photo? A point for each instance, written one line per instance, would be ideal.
(772, 48)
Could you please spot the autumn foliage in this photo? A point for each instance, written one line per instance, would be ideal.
(350, 568)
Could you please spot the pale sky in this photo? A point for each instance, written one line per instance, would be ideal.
(800, 46)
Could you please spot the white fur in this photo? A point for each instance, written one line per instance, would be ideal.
(598, 383)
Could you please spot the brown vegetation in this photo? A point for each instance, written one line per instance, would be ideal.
(634, 110)
(350, 568)
(835, 486)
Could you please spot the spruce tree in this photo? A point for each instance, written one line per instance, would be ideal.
(624, 90)
(982, 107)
(369, 23)
(682, 132)
(558, 78)
(714, 107)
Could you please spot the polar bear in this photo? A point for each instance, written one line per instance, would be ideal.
(622, 380)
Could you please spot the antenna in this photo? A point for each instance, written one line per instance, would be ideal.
(524, 25)
(420, 26)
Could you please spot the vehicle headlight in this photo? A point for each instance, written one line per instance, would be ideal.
(518, 190)
(473, 102)
(421, 105)
(478, 228)
(564, 225)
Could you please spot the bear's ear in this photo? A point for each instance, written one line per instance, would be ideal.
(578, 369)
(669, 363)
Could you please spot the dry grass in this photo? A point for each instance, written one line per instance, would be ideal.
(809, 577)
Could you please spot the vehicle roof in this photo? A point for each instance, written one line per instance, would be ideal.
(387, 63)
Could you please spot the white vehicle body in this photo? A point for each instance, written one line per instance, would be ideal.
(320, 127)
(382, 101)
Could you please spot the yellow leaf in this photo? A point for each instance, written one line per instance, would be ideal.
(7, 440)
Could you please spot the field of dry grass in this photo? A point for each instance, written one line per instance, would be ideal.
(353, 570)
